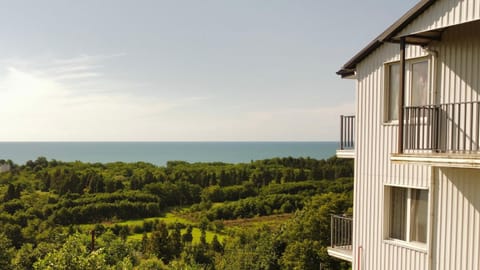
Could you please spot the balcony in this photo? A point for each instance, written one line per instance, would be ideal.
(347, 137)
(341, 238)
(446, 135)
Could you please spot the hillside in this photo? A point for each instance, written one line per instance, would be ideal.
(266, 214)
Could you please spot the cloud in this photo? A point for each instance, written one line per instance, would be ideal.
(47, 104)
(78, 100)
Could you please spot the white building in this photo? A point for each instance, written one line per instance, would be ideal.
(4, 167)
(417, 143)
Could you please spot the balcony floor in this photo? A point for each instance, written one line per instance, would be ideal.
(457, 160)
(346, 153)
(343, 253)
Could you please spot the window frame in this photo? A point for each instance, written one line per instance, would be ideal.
(408, 84)
(409, 78)
(386, 99)
(419, 246)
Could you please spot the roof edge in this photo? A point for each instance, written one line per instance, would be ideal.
(386, 35)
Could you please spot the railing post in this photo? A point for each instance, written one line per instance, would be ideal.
(436, 128)
(332, 227)
(341, 132)
(401, 95)
(353, 132)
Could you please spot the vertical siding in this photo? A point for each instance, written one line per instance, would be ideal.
(444, 13)
(373, 169)
(458, 66)
(459, 63)
(457, 219)
(456, 204)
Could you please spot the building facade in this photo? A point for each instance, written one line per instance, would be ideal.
(417, 142)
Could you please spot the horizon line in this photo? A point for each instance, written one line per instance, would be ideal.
(180, 141)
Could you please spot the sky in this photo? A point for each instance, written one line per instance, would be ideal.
(181, 70)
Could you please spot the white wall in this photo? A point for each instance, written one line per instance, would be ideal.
(459, 63)
(456, 242)
(444, 13)
(457, 219)
(373, 168)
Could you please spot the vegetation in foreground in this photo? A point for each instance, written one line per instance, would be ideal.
(267, 214)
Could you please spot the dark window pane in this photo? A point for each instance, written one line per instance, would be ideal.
(419, 215)
(398, 212)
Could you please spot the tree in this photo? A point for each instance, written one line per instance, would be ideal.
(175, 242)
(203, 238)
(14, 233)
(159, 243)
(6, 252)
(152, 264)
(187, 236)
(302, 255)
(11, 193)
(144, 242)
(308, 233)
(24, 258)
(114, 248)
(72, 255)
(216, 246)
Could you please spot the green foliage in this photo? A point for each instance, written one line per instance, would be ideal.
(217, 193)
(24, 257)
(6, 253)
(152, 264)
(160, 243)
(187, 236)
(301, 255)
(261, 206)
(43, 201)
(114, 248)
(72, 255)
(11, 193)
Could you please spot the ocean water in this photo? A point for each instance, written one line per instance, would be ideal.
(160, 152)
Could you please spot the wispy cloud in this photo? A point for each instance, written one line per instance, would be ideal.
(76, 68)
(78, 99)
(48, 104)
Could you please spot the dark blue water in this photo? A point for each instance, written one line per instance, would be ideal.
(160, 152)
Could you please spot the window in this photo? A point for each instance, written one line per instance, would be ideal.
(393, 87)
(417, 89)
(407, 214)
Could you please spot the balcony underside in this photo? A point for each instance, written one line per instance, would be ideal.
(342, 253)
(457, 160)
(346, 153)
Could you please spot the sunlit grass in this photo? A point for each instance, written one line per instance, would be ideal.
(272, 221)
(168, 218)
(196, 233)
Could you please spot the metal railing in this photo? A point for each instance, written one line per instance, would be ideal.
(341, 232)
(449, 127)
(347, 132)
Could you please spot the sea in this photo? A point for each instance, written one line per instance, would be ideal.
(159, 153)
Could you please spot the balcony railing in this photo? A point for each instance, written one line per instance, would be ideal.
(341, 232)
(347, 132)
(444, 128)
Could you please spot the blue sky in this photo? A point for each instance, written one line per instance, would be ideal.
(181, 70)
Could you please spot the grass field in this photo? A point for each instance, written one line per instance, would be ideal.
(196, 233)
(272, 221)
(169, 218)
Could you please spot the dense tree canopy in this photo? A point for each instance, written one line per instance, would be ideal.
(46, 207)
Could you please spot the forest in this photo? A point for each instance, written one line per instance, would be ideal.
(266, 214)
